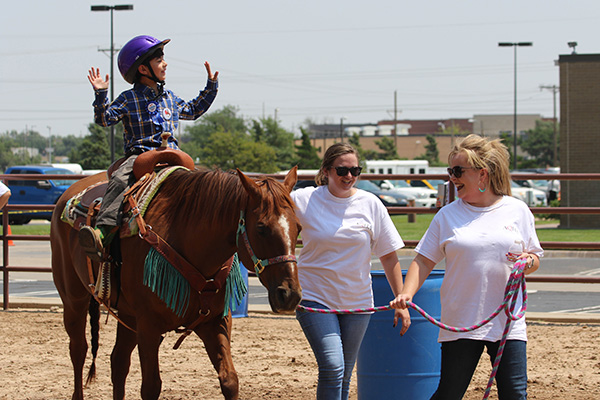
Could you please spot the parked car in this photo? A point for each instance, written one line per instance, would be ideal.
(550, 187)
(532, 197)
(389, 198)
(431, 184)
(44, 192)
(424, 197)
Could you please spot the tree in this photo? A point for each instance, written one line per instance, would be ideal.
(388, 147)
(306, 153)
(230, 150)
(539, 144)
(268, 131)
(432, 154)
(94, 151)
(197, 136)
(354, 140)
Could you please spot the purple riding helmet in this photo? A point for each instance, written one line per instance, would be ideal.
(135, 53)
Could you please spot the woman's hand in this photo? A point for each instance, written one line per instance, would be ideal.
(404, 316)
(400, 301)
(210, 75)
(96, 80)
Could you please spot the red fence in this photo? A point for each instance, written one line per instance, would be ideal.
(594, 246)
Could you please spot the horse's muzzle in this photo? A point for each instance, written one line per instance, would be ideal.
(284, 299)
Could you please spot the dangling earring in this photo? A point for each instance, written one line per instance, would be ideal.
(481, 190)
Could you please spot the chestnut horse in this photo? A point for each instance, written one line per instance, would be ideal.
(198, 214)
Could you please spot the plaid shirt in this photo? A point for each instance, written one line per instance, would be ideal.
(145, 117)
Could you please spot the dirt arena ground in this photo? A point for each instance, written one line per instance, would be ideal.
(272, 358)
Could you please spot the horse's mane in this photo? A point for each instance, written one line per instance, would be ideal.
(216, 197)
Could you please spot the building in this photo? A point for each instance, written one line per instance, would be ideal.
(579, 135)
(411, 134)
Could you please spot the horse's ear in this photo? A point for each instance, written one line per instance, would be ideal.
(291, 178)
(250, 186)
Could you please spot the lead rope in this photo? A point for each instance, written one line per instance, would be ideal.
(516, 281)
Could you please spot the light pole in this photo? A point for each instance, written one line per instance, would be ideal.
(120, 7)
(554, 89)
(514, 45)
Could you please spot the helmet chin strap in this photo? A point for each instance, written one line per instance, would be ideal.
(159, 84)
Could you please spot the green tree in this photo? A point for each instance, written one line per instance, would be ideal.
(268, 131)
(432, 154)
(306, 153)
(354, 140)
(94, 151)
(388, 147)
(64, 144)
(7, 158)
(230, 150)
(197, 136)
(539, 144)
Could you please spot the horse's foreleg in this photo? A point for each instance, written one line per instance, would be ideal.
(148, 344)
(216, 335)
(120, 358)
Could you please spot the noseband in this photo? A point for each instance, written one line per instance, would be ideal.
(259, 265)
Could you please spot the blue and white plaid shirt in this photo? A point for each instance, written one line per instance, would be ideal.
(145, 117)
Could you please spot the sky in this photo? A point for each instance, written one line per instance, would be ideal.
(325, 61)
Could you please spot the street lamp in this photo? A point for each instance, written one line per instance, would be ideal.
(514, 46)
(120, 7)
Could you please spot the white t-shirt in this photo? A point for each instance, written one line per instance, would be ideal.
(474, 241)
(3, 188)
(339, 235)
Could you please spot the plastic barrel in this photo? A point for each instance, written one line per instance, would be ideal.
(393, 367)
(242, 310)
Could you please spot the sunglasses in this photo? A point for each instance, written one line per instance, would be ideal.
(457, 171)
(343, 171)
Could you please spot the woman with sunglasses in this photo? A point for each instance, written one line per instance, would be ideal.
(341, 227)
(477, 235)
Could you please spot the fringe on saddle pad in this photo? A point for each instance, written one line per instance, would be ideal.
(172, 288)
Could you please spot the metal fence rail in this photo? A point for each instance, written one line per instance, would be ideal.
(5, 237)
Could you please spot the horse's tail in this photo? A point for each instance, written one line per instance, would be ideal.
(94, 311)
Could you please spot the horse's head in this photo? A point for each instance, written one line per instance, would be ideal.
(267, 238)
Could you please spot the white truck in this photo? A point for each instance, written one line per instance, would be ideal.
(424, 197)
(397, 166)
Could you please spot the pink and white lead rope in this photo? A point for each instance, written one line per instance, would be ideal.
(515, 282)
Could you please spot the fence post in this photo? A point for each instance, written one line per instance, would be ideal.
(412, 217)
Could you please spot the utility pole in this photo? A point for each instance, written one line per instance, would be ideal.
(555, 90)
(395, 121)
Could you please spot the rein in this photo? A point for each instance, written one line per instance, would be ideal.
(514, 286)
(259, 265)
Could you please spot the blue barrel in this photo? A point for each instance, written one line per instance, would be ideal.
(242, 310)
(390, 366)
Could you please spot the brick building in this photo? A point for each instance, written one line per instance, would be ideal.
(580, 135)
(411, 134)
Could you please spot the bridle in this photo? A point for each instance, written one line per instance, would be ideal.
(259, 265)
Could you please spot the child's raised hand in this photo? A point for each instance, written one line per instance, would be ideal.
(96, 80)
(210, 75)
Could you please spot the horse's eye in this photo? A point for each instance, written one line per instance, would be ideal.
(261, 228)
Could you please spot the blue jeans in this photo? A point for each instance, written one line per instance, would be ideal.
(335, 340)
(459, 361)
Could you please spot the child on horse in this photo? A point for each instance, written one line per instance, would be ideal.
(147, 110)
